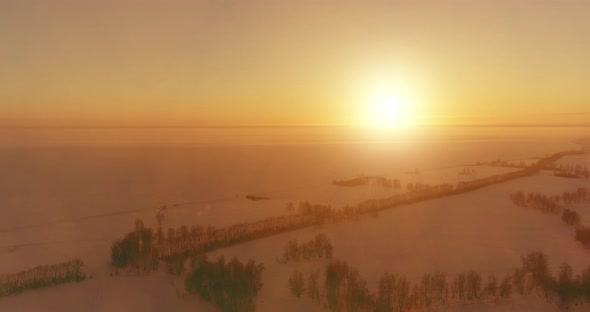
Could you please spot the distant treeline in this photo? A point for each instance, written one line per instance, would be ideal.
(538, 201)
(570, 171)
(467, 171)
(345, 290)
(232, 286)
(42, 276)
(425, 192)
(504, 163)
(368, 180)
(552, 205)
(318, 248)
(581, 195)
(560, 170)
(143, 247)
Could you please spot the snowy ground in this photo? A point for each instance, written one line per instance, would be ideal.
(480, 230)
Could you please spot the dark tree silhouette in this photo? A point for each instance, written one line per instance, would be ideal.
(136, 249)
(519, 280)
(491, 285)
(313, 289)
(458, 288)
(393, 293)
(583, 236)
(346, 291)
(426, 287)
(571, 217)
(473, 284)
(506, 286)
(566, 286)
(585, 283)
(440, 286)
(318, 248)
(42, 276)
(231, 286)
(297, 284)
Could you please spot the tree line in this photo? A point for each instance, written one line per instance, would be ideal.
(538, 201)
(231, 285)
(581, 195)
(42, 276)
(548, 204)
(467, 171)
(143, 247)
(420, 192)
(570, 171)
(317, 248)
(571, 217)
(136, 249)
(551, 205)
(368, 180)
(504, 163)
(344, 290)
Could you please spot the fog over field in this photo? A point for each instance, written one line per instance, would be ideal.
(74, 192)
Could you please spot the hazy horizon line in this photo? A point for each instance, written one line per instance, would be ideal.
(288, 126)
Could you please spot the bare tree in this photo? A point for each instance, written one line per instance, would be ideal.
(506, 286)
(313, 290)
(296, 284)
(458, 288)
(473, 285)
(491, 285)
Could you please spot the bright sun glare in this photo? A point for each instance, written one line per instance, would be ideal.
(390, 106)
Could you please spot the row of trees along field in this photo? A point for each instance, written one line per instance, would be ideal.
(42, 276)
(232, 285)
(143, 247)
(318, 248)
(571, 171)
(538, 201)
(368, 180)
(581, 195)
(549, 204)
(344, 290)
(552, 205)
(504, 163)
(419, 191)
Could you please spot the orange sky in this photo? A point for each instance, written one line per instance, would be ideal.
(180, 63)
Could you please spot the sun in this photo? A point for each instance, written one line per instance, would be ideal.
(390, 106)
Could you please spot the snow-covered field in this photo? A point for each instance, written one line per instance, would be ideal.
(480, 230)
(62, 202)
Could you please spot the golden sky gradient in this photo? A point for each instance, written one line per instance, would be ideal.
(220, 62)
